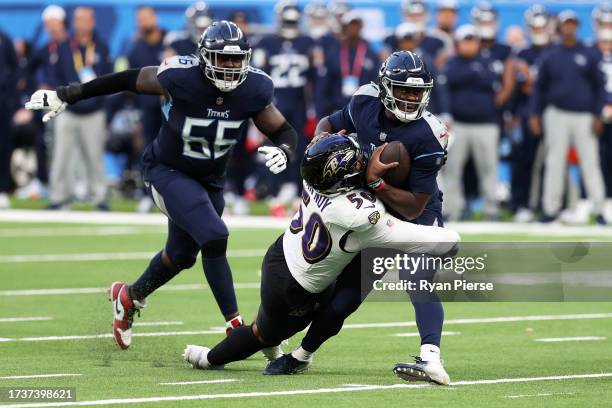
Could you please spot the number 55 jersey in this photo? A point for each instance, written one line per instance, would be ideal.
(328, 231)
(201, 124)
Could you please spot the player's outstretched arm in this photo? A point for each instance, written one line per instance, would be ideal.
(273, 124)
(391, 232)
(138, 80)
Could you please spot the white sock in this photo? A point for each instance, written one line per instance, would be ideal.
(301, 354)
(430, 352)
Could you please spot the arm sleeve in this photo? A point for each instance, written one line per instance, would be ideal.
(390, 232)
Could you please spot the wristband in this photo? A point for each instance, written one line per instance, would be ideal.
(377, 185)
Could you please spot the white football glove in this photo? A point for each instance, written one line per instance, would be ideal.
(47, 100)
(276, 159)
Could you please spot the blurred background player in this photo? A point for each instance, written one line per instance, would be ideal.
(146, 50)
(81, 132)
(527, 158)
(197, 19)
(566, 107)
(9, 66)
(471, 84)
(446, 21)
(602, 22)
(287, 56)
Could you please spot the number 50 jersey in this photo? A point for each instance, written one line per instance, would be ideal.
(328, 231)
(201, 124)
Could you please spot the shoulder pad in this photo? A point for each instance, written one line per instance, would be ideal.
(259, 71)
(370, 89)
(177, 61)
(346, 214)
(438, 129)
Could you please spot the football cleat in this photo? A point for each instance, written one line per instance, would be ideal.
(197, 356)
(420, 370)
(124, 308)
(272, 353)
(286, 365)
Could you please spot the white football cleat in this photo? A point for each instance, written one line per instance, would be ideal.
(272, 353)
(420, 370)
(197, 357)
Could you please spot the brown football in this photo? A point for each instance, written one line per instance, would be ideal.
(396, 152)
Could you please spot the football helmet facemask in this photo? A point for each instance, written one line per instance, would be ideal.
(405, 85)
(224, 53)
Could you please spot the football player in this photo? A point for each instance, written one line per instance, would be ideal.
(525, 167)
(394, 109)
(336, 219)
(197, 19)
(486, 20)
(287, 56)
(209, 99)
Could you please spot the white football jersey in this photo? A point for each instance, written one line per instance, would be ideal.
(328, 231)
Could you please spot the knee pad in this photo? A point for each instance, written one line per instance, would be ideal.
(182, 260)
(214, 248)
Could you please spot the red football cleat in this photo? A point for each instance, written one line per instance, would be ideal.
(124, 308)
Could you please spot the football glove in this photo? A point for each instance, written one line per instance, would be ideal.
(276, 159)
(46, 100)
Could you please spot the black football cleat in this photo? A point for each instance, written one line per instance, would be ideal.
(428, 371)
(286, 365)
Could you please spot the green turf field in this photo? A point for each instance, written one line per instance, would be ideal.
(58, 273)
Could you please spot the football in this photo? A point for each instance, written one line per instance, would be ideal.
(396, 152)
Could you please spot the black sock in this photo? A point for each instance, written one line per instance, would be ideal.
(219, 277)
(156, 275)
(240, 344)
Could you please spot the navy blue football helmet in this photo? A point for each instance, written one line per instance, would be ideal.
(289, 15)
(538, 25)
(334, 164)
(221, 41)
(484, 17)
(198, 19)
(602, 21)
(405, 85)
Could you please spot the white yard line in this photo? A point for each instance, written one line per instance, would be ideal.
(80, 291)
(76, 231)
(541, 394)
(23, 377)
(350, 326)
(85, 217)
(146, 324)
(503, 319)
(444, 333)
(296, 392)
(110, 256)
(223, 380)
(559, 339)
(24, 319)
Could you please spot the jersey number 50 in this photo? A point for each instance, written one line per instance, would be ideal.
(199, 147)
(316, 239)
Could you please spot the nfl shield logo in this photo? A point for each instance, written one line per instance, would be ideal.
(382, 136)
(219, 100)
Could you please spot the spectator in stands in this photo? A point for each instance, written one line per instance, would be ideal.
(568, 95)
(81, 130)
(8, 103)
(527, 156)
(471, 83)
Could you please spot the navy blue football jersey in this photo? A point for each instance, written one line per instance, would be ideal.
(431, 46)
(530, 56)
(605, 65)
(201, 124)
(288, 62)
(425, 140)
(497, 55)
